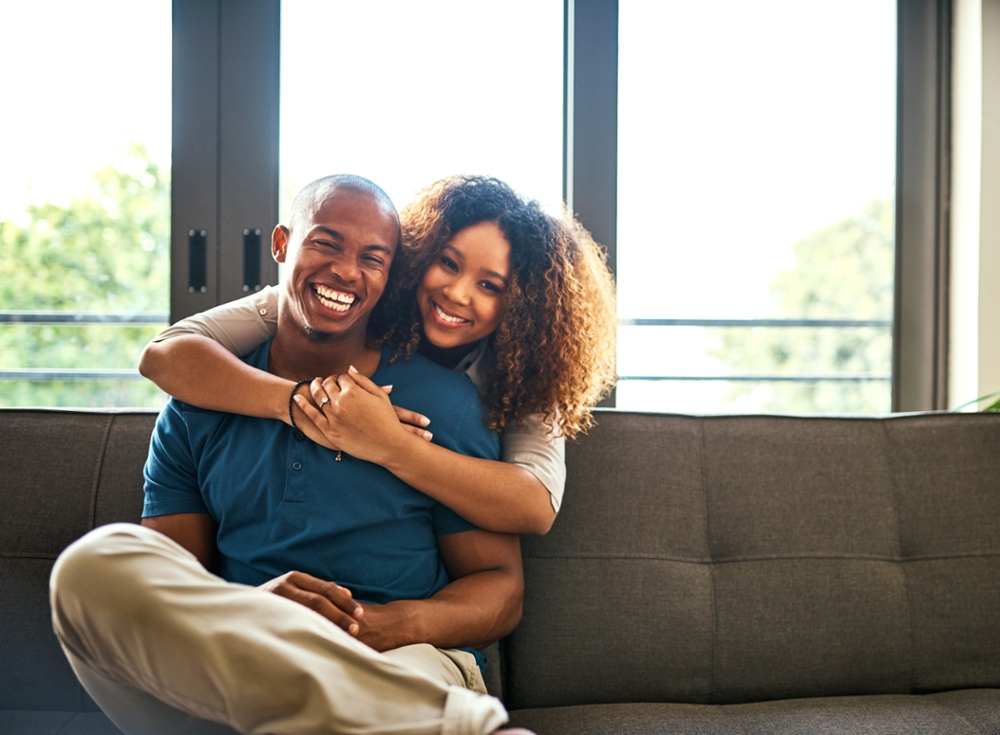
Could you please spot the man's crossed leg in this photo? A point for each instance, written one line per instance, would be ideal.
(164, 646)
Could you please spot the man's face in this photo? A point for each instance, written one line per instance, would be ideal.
(339, 255)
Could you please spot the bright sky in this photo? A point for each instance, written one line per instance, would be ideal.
(765, 122)
(79, 79)
(477, 89)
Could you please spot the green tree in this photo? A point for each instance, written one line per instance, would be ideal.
(843, 271)
(107, 251)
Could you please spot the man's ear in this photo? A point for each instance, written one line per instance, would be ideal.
(279, 243)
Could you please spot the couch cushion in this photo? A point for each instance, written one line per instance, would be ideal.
(35, 722)
(734, 559)
(63, 473)
(969, 712)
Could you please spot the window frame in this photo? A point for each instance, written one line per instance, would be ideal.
(225, 160)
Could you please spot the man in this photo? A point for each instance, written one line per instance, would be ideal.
(298, 534)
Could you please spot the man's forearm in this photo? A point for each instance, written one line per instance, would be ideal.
(473, 611)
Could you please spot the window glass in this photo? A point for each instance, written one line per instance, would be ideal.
(755, 205)
(84, 199)
(406, 93)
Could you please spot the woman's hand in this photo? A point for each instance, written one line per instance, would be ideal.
(355, 415)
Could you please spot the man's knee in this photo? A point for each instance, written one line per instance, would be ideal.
(95, 571)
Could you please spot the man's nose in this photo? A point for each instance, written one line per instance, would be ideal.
(346, 269)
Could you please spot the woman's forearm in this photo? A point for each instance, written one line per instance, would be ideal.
(200, 371)
(496, 496)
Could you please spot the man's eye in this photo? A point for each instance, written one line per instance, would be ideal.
(374, 260)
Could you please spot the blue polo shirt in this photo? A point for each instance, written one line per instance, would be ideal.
(284, 503)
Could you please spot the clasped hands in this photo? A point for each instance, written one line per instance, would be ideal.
(375, 625)
(349, 412)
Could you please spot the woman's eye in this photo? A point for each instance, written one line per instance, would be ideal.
(492, 287)
(449, 263)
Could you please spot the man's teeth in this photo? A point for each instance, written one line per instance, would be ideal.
(448, 317)
(335, 300)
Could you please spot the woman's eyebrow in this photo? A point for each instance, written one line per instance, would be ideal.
(496, 275)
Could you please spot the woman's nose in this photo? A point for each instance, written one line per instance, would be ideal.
(457, 291)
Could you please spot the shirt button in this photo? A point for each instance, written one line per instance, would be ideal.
(262, 312)
(299, 436)
(296, 466)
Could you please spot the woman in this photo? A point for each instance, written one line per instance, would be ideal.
(519, 300)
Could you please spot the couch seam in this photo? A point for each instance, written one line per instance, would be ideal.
(65, 722)
(711, 561)
(886, 446)
(97, 471)
(769, 557)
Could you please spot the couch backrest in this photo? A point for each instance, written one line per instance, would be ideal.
(61, 474)
(732, 559)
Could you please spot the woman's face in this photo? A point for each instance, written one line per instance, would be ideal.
(461, 294)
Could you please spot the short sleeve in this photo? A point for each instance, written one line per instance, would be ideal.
(240, 326)
(543, 455)
(171, 476)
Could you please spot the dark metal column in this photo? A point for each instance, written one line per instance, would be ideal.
(225, 149)
(923, 142)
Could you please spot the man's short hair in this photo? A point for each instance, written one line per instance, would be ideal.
(313, 194)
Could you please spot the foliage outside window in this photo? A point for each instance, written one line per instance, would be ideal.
(106, 251)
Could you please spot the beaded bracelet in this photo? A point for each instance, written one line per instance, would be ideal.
(291, 402)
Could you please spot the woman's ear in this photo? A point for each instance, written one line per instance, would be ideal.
(279, 243)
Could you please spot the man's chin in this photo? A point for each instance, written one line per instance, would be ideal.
(315, 335)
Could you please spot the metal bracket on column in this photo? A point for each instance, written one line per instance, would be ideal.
(251, 260)
(197, 261)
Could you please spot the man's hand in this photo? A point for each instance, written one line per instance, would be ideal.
(329, 599)
(385, 627)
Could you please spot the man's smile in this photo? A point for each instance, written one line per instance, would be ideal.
(332, 299)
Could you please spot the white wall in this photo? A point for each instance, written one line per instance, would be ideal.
(974, 367)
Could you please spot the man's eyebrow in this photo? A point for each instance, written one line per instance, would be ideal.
(329, 231)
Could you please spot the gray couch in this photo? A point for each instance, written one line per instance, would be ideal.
(706, 575)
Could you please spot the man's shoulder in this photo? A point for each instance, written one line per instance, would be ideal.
(418, 370)
(449, 399)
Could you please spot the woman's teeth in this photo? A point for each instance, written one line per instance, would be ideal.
(448, 317)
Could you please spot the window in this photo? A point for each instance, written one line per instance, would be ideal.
(225, 164)
(408, 93)
(84, 200)
(756, 166)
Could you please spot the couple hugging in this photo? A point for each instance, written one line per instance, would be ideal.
(327, 554)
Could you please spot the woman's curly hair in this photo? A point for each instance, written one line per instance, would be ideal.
(553, 352)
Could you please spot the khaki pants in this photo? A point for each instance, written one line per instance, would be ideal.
(163, 646)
